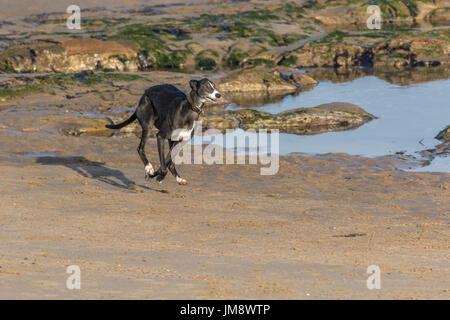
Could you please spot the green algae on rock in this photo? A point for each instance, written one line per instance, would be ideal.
(342, 50)
(335, 116)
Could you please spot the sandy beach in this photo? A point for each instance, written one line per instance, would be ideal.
(310, 231)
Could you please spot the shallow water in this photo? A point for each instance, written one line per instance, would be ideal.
(409, 117)
(40, 154)
(440, 164)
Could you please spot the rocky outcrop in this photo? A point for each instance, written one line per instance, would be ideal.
(301, 80)
(67, 124)
(337, 49)
(442, 149)
(252, 80)
(334, 116)
(266, 34)
(439, 16)
(253, 87)
(77, 126)
(398, 52)
(412, 52)
(67, 56)
(332, 55)
(394, 12)
(444, 135)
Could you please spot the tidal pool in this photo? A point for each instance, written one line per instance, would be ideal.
(409, 118)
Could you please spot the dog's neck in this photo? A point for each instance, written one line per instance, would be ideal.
(195, 106)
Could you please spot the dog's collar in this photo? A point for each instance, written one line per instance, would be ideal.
(193, 106)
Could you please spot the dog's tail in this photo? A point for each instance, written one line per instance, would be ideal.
(123, 124)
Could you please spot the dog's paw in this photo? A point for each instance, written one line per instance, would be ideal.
(160, 178)
(149, 169)
(160, 175)
(181, 181)
(149, 175)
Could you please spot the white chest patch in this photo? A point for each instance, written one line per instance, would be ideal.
(181, 134)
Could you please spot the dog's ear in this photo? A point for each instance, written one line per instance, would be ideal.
(193, 84)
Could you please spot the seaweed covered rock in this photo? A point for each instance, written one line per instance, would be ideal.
(394, 12)
(302, 80)
(342, 50)
(439, 16)
(412, 52)
(334, 116)
(317, 54)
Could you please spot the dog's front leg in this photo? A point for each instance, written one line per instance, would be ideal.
(162, 160)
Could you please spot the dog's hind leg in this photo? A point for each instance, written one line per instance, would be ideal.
(145, 116)
(162, 171)
(149, 171)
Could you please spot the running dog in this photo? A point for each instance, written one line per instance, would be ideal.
(173, 114)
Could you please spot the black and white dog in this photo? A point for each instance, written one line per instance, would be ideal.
(173, 114)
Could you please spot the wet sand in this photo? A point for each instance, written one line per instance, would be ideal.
(309, 232)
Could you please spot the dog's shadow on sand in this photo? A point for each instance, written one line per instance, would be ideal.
(94, 170)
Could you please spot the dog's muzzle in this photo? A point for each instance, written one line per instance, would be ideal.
(214, 96)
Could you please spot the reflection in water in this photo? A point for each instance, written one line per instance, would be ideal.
(249, 99)
(404, 76)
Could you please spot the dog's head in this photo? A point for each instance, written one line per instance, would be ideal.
(204, 90)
